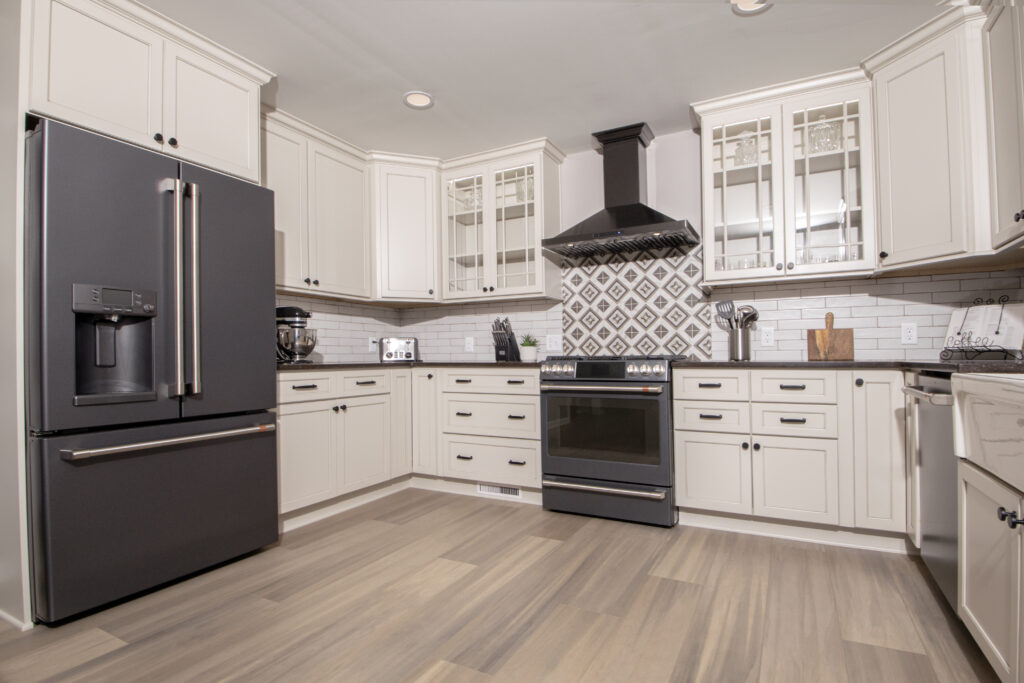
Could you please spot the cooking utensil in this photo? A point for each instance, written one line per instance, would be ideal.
(829, 343)
(746, 315)
(727, 311)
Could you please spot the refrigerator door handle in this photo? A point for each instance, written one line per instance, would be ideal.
(85, 453)
(176, 186)
(197, 383)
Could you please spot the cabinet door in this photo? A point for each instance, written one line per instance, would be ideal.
(339, 258)
(829, 185)
(879, 457)
(95, 68)
(713, 471)
(796, 479)
(516, 252)
(407, 232)
(990, 569)
(211, 114)
(285, 172)
(306, 452)
(365, 454)
(426, 426)
(401, 423)
(464, 252)
(1004, 75)
(743, 219)
(921, 154)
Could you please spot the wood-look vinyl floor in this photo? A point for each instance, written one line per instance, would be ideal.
(425, 586)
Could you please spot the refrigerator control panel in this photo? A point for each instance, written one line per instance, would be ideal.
(104, 300)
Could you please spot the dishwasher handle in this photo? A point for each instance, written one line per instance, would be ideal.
(936, 398)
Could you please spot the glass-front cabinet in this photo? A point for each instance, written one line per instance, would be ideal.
(787, 181)
(496, 214)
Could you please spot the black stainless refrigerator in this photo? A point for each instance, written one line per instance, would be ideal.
(150, 361)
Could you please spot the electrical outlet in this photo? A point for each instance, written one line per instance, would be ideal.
(469, 344)
(767, 336)
(372, 345)
(908, 333)
(553, 342)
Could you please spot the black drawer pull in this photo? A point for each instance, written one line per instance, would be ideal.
(299, 387)
(516, 381)
(464, 457)
(709, 416)
(462, 413)
(463, 381)
(517, 462)
(792, 387)
(517, 417)
(364, 383)
(793, 420)
(709, 385)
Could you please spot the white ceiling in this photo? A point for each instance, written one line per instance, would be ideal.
(504, 71)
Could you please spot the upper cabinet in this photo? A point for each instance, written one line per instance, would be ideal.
(787, 181)
(118, 68)
(1003, 47)
(321, 209)
(497, 209)
(932, 157)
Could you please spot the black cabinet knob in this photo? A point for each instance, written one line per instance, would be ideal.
(757, 446)
(744, 445)
(883, 254)
(307, 281)
(859, 382)
(1002, 513)
(430, 375)
(430, 291)
(1017, 217)
(778, 266)
(1010, 517)
(492, 289)
(485, 289)
(343, 407)
(790, 266)
(336, 408)
(173, 142)
(158, 137)
(316, 282)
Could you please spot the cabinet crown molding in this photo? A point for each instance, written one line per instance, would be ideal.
(283, 118)
(186, 36)
(403, 159)
(539, 145)
(945, 22)
(780, 91)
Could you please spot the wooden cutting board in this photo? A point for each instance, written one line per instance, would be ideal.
(829, 343)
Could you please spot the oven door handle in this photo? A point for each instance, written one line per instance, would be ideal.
(602, 389)
(629, 493)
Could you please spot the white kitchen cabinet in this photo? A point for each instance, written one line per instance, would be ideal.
(788, 181)
(498, 206)
(406, 234)
(990, 568)
(713, 471)
(307, 453)
(426, 425)
(401, 423)
(322, 203)
(120, 69)
(1003, 45)
(796, 478)
(879, 455)
(932, 158)
(365, 453)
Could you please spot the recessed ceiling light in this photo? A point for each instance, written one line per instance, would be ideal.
(748, 7)
(417, 99)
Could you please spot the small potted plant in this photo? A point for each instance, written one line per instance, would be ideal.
(528, 348)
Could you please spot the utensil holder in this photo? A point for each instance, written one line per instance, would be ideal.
(739, 344)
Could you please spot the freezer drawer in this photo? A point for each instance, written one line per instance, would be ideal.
(104, 527)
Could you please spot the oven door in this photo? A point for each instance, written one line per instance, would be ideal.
(613, 431)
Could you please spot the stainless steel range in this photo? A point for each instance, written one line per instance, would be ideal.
(607, 437)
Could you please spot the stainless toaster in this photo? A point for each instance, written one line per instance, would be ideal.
(399, 349)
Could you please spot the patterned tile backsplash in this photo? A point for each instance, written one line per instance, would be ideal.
(645, 302)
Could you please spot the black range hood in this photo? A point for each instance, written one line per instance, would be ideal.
(626, 223)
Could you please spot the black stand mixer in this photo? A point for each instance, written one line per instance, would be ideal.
(295, 341)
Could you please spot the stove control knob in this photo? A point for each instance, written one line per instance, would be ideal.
(567, 369)
(545, 367)
(645, 369)
(632, 369)
(658, 369)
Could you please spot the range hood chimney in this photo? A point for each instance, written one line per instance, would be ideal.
(626, 223)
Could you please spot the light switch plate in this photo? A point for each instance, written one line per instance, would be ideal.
(469, 344)
(908, 333)
(767, 336)
(553, 342)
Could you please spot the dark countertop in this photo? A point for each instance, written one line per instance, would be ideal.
(1011, 366)
(315, 366)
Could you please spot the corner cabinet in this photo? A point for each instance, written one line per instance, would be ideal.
(788, 185)
(120, 69)
(497, 209)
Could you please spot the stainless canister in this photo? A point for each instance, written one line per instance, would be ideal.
(739, 343)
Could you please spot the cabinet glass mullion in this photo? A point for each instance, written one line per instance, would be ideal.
(465, 234)
(514, 227)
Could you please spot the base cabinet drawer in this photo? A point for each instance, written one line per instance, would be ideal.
(711, 385)
(492, 381)
(786, 419)
(713, 471)
(712, 416)
(782, 386)
(515, 462)
(364, 383)
(796, 479)
(492, 416)
(294, 387)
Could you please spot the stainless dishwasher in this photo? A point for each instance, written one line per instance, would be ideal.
(938, 487)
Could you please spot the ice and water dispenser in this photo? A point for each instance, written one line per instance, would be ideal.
(114, 350)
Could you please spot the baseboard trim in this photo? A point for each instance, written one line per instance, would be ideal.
(16, 623)
(306, 516)
(469, 488)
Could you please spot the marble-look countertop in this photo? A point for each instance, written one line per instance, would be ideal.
(315, 366)
(1009, 366)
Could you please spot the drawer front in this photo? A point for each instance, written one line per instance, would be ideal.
(712, 416)
(512, 462)
(490, 416)
(711, 385)
(364, 383)
(295, 387)
(786, 419)
(782, 386)
(492, 381)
